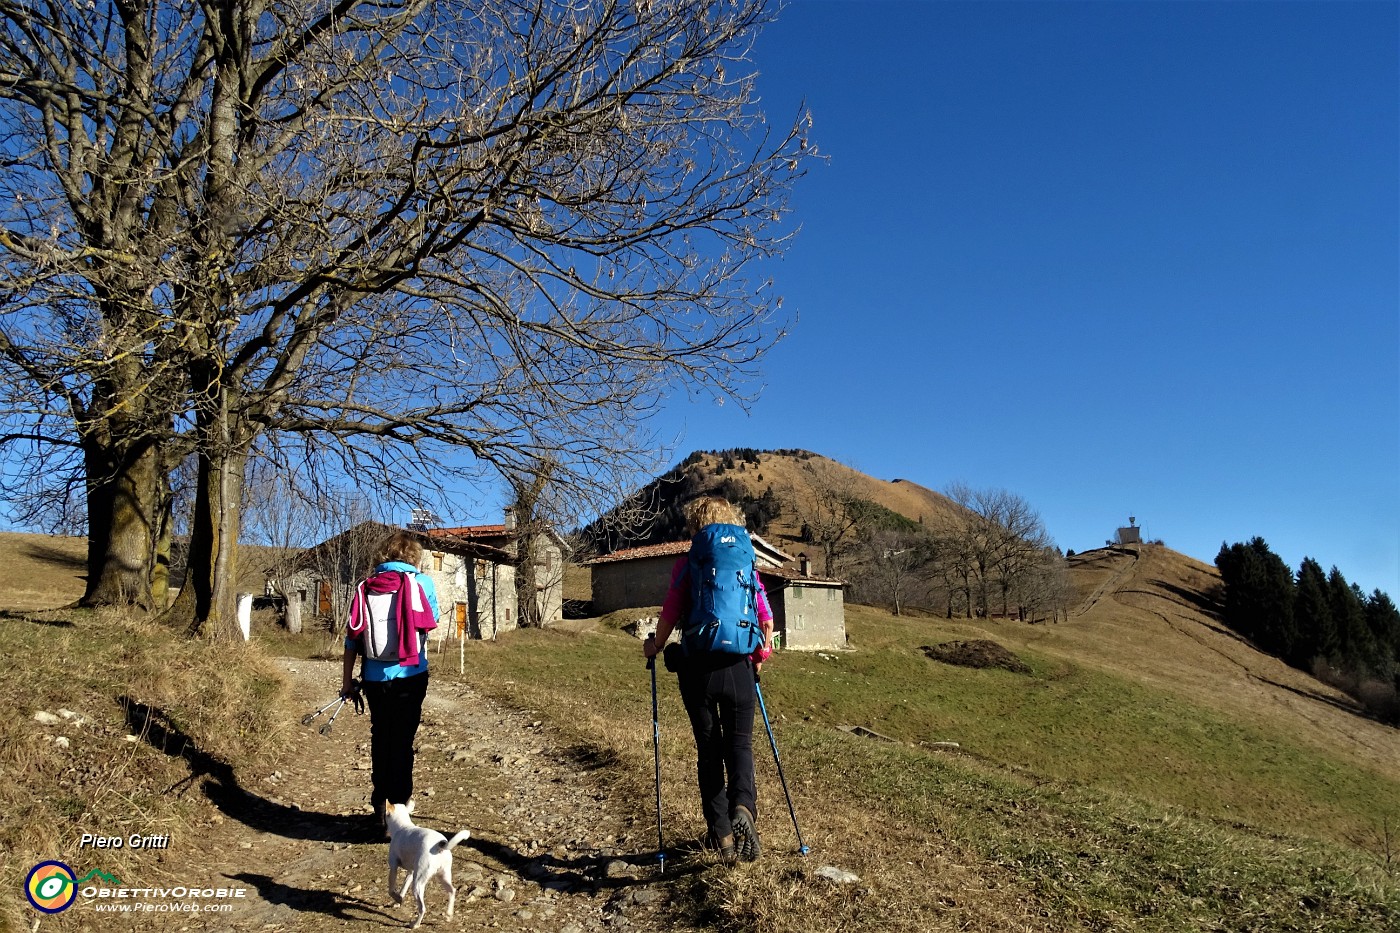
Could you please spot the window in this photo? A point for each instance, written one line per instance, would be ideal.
(437, 560)
(796, 591)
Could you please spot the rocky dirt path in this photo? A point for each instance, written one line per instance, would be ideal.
(550, 849)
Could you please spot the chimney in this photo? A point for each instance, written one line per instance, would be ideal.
(804, 566)
(510, 518)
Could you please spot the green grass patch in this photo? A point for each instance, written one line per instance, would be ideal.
(1076, 724)
(1076, 800)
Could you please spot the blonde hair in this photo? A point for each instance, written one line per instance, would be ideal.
(402, 547)
(711, 510)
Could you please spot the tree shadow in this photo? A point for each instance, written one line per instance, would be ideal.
(217, 780)
(52, 555)
(19, 616)
(310, 900)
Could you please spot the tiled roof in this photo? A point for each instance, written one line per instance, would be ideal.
(791, 575)
(472, 531)
(676, 548)
(669, 549)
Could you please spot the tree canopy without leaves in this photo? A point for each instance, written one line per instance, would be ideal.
(395, 237)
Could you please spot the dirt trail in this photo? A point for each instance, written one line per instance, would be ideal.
(1114, 583)
(550, 849)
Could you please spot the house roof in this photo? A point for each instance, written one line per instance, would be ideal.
(791, 575)
(432, 541)
(677, 548)
(472, 531)
(669, 549)
(452, 544)
(495, 534)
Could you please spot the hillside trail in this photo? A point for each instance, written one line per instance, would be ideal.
(1113, 584)
(550, 848)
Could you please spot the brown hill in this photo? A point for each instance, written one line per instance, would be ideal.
(795, 479)
(798, 479)
(1150, 613)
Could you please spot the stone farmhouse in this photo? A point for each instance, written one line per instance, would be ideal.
(472, 567)
(808, 611)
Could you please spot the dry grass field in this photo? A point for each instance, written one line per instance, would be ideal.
(43, 571)
(1147, 772)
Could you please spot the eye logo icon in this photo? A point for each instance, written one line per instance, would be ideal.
(51, 887)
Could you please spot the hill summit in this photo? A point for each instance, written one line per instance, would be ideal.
(779, 491)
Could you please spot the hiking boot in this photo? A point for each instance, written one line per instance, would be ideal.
(727, 852)
(723, 845)
(745, 834)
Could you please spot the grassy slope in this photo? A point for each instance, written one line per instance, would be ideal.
(1151, 773)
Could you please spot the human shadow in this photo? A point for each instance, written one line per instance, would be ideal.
(312, 900)
(588, 873)
(219, 783)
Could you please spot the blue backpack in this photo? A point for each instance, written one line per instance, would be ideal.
(723, 593)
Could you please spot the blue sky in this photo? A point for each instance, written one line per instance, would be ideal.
(1119, 258)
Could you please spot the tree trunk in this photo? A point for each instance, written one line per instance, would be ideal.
(122, 503)
(160, 558)
(207, 601)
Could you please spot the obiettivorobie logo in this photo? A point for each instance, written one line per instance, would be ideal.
(51, 886)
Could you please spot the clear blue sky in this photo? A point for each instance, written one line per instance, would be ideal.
(1119, 258)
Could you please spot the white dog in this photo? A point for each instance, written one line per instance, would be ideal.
(424, 853)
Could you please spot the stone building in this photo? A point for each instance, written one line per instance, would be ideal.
(472, 568)
(808, 611)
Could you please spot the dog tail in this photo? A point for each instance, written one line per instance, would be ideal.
(460, 837)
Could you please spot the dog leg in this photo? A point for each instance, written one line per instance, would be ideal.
(446, 879)
(418, 891)
(394, 896)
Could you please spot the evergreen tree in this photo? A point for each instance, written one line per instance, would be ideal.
(1258, 595)
(1357, 649)
(1312, 615)
(1383, 620)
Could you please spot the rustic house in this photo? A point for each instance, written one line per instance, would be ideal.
(473, 569)
(808, 611)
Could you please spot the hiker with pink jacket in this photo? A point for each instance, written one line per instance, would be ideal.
(391, 613)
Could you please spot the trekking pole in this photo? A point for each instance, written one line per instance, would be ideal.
(326, 729)
(656, 753)
(309, 717)
(801, 846)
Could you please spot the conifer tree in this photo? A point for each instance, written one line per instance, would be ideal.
(1357, 649)
(1312, 614)
(1259, 595)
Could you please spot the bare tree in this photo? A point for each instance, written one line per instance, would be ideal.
(419, 231)
(529, 512)
(894, 566)
(1043, 587)
(828, 509)
(1000, 539)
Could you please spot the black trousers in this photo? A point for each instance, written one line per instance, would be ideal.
(395, 709)
(718, 692)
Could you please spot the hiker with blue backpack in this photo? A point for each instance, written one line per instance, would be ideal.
(717, 600)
